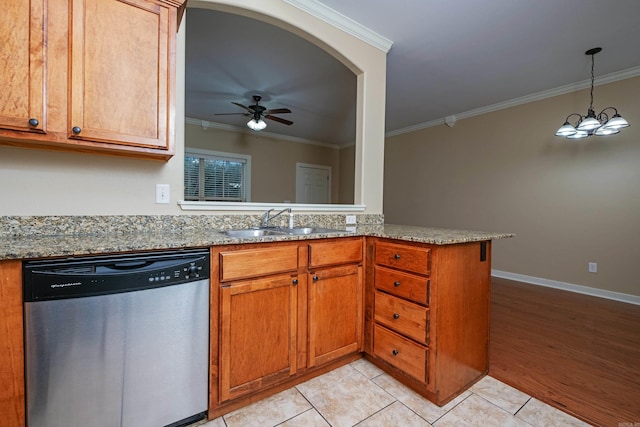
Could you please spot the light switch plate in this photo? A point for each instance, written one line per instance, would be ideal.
(351, 219)
(162, 193)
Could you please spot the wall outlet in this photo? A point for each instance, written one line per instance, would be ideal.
(162, 193)
(351, 219)
(593, 267)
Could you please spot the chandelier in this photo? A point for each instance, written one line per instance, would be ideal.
(592, 124)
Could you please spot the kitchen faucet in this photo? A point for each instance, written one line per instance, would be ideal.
(266, 216)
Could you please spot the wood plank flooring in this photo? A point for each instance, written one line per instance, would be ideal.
(576, 352)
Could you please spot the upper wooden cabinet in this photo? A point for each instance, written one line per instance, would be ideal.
(90, 75)
(22, 32)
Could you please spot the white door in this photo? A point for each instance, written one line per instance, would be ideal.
(313, 183)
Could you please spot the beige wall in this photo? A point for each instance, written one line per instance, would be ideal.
(273, 160)
(569, 202)
(35, 182)
(347, 174)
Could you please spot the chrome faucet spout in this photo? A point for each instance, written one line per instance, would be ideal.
(266, 217)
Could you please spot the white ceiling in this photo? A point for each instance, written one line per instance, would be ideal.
(447, 58)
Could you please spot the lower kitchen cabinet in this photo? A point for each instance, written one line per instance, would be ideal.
(335, 313)
(427, 319)
(257, 334)
(11, 345)
(281, 313)
(335, 299)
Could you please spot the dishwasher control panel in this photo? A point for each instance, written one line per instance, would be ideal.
(195, 269)
(89, 276)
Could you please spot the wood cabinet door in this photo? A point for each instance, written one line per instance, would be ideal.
(335, 313)
(257, 334)
(121, 79)
(12, 402)
(22, 54)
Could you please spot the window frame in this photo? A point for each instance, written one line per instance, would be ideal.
(221, 155)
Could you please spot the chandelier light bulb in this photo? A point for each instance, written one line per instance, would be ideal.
(616, 122)
(566, 130)
(579, 135)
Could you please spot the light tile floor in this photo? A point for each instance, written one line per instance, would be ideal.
(360, 394)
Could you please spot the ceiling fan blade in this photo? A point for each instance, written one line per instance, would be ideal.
(240, 105)
(231, 114)
(277, 111)
(278, 119)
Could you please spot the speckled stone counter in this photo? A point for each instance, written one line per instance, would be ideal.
(200, 232)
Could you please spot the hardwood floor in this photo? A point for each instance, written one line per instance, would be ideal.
(578, 353)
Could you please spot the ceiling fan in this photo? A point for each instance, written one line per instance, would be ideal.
(257, 112)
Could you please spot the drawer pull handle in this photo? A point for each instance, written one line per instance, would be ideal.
(295, 281)
(396, 284)
(396, 316)
(76, 130)
(397, 256)
(395, 352)
(315, 278)
(33, 122)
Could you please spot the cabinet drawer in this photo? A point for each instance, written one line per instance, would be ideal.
(403, 257)
(258, 262)
(401, 353)
(335, 252)
(402, 316)
(414, 288)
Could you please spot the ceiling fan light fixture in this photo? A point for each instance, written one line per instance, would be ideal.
(592, 124)
(256, 125)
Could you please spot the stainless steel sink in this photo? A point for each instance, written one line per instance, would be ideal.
(310, 230)
(248, 233)
(253, 232)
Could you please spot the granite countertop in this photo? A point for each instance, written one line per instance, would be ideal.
(44, 246)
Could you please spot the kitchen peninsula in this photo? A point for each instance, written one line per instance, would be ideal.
(413, 300)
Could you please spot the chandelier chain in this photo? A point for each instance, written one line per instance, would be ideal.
(592, 80)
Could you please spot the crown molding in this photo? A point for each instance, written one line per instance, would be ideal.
(573, 87)
(231, 128)
(346, 24)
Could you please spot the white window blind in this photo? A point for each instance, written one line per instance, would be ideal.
(212, 176)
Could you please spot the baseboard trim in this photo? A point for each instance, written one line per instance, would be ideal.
(616, 296)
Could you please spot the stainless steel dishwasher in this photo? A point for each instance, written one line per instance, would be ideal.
(117, 340)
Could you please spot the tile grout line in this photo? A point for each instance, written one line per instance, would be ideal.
(455, 406)
(502, 409)
(312, 406)
(523, 405)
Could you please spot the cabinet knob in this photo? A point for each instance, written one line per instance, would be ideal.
(315, 278)
(395, 352)
(396, 316)
(33, 122)
(397, 256)
(76, 130)
(294, 281)
(396, 284)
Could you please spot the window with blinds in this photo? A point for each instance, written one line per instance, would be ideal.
(214, 176)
